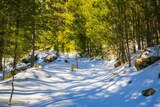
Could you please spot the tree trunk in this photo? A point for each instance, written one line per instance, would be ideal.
(128, 50)
(56, 45)
(33, 35)
(77, 65)
(15, 57)
(4, 62)
(1, 51)
(33, 43)
(157, 23)
(148, 36)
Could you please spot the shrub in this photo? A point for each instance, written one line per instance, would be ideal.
(72, 67)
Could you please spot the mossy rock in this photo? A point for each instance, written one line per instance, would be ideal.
(144, 62)
(148, 92)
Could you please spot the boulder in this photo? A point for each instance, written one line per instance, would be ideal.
(66, 61)
(117, 64)
(148, 57)
(148, 92)
(24, 67)
(158, 75)
(144, 62)
(129, 82)
(50, 58)
(26, 59)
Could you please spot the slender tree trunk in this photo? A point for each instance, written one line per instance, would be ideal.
(33, 43)
(157, 33)
(138, 29)
(148, 36)
(33, 35)
(88, 51)
(1, 51)
(56, 45)
(77, 65)
(5, 47)
(157, 22)
(4, 62)
(133, 35)
(128, 51)
(101, 51)
(15, 57)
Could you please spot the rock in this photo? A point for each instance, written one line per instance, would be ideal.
(154, 59)
(26, 59)
(147, 57)
(148, 92)
(111, 79)
(41, 55)
(115, 74)
(140, 64)
(48, 76)
(117, 64)
(24, 67)
(66, 61)
(129, 82)
(50, 58)
(124, 72)
(144, 62)
(159, 76)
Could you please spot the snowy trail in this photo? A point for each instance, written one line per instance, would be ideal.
(75, 87)
(62, 82)
(92, 85)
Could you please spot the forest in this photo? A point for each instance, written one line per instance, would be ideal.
(90, 27)
(103, 29)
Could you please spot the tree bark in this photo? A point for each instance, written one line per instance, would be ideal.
(33, 35)
(1, 52)
(15, 57)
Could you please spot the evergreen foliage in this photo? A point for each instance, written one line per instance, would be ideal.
(94, 28)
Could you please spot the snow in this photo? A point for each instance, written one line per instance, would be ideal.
(96, 83)
(151, 51)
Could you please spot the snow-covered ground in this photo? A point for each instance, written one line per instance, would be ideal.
(94, 84)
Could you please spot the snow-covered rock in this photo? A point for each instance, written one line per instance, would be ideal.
(148, 57)
(46, 56)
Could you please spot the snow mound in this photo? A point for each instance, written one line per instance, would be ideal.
(151, 52)
(33, 73)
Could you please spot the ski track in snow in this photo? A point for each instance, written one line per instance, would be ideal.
(92, 85)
